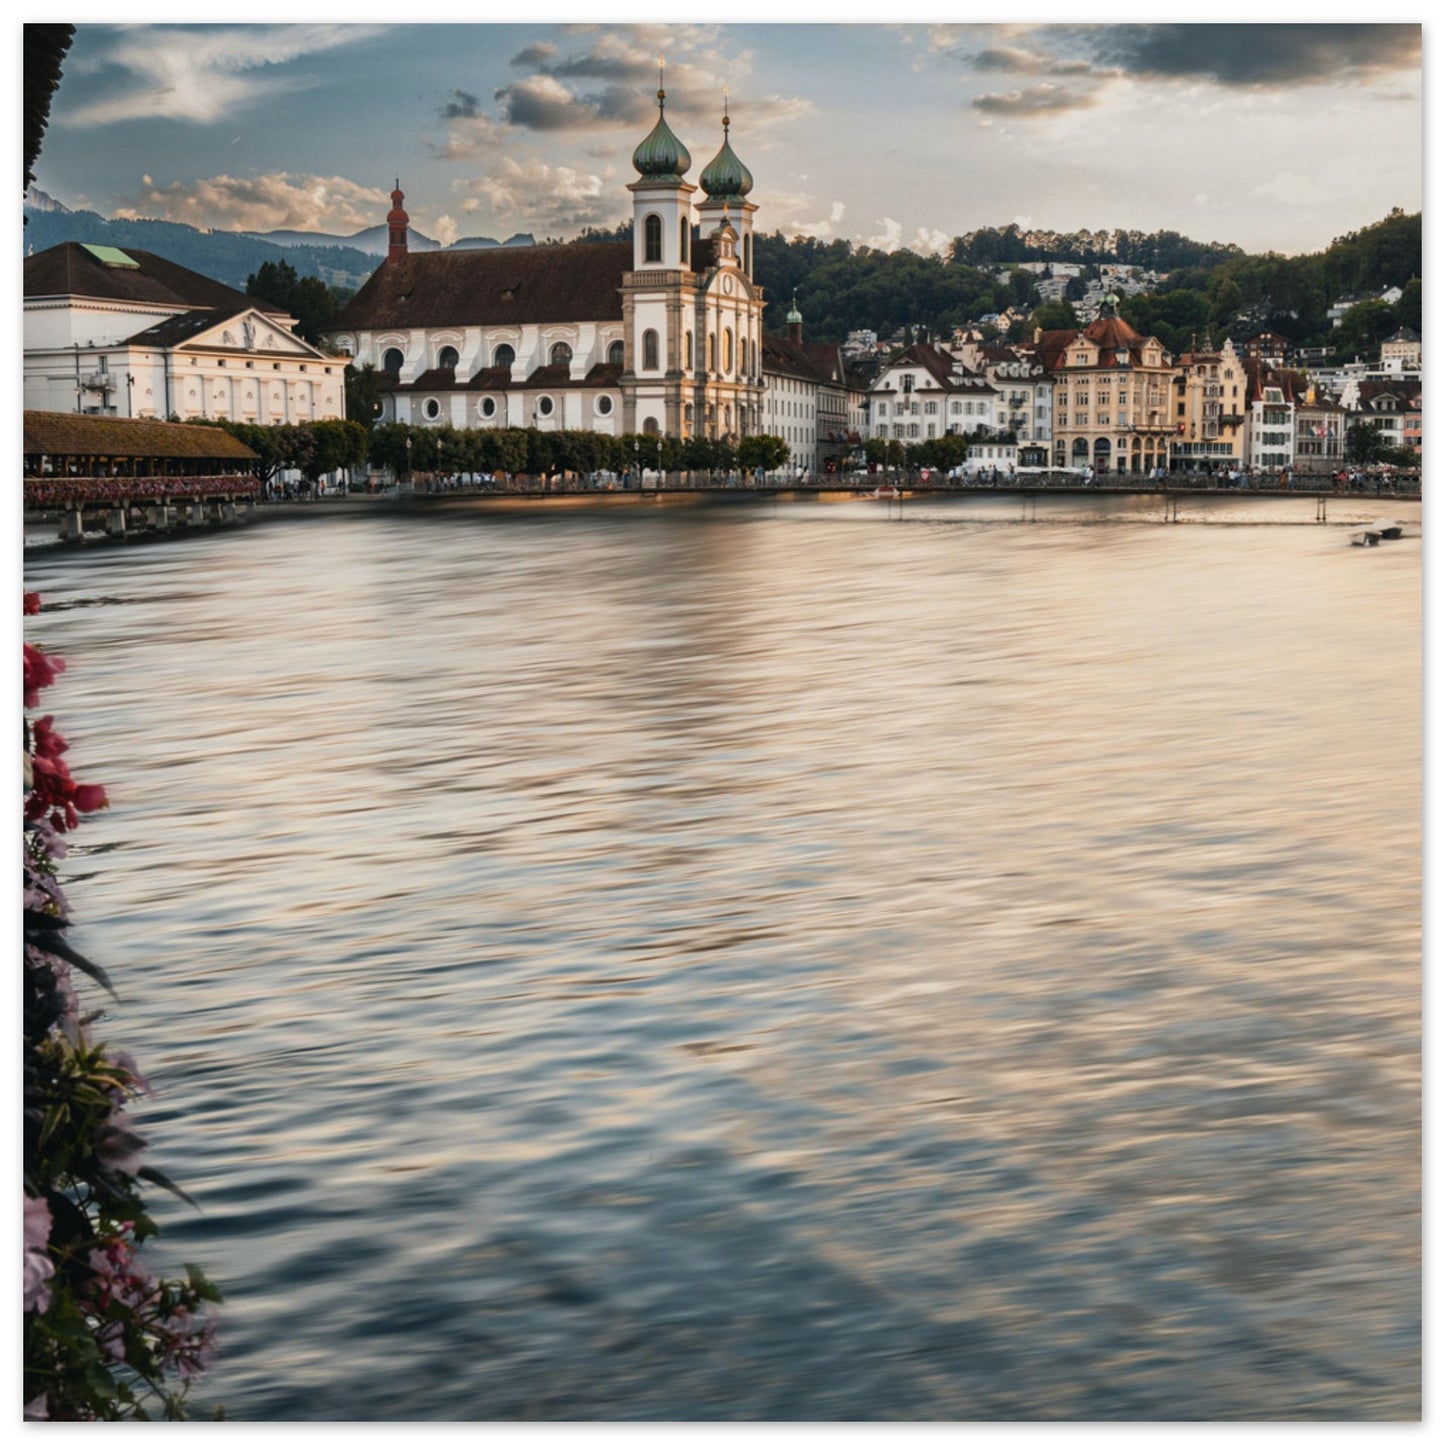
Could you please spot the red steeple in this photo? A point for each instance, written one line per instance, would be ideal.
(396, 224)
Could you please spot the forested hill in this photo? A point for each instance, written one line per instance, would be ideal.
(842, 288)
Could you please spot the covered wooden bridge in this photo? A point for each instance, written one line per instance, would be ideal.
(114, 474)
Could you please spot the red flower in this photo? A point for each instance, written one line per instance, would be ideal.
(40, 671)
(32, 603)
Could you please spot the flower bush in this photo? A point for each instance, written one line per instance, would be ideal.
(104, 1340)
(45, 492)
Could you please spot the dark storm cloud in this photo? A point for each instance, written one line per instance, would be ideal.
(461, 105)
(1259, 55)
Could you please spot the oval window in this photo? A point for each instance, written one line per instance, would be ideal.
(544, 406)
(489, 406)
(604, 406)
(433, 409)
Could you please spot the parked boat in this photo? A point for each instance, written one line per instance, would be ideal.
(1373, 533)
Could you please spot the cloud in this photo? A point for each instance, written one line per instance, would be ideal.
(1018, 61)
(203, 75)
(461, 105)
(1037, 100)
(1261, 55)
(548, 200)
(603, 81)
(278, 202)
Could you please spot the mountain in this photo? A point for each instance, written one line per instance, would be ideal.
(37, 200)
(230, 256)
(371, 242)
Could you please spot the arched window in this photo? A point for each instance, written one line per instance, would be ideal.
(748, 253)
(447, 358)
(561, 354)
(649, 426)
(727, 365)
(649, 350)
(711, 351)
(652, 238)
(391, 359)
(616, 354)
(687, 347)
(684, 235)
(504, 356)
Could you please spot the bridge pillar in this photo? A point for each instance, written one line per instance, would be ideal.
(115, 524)
(72, 526)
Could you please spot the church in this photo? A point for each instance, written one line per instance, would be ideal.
(660, 335)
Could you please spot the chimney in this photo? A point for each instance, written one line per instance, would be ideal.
(396, 223)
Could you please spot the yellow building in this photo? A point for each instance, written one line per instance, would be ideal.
(1208, 400)
(1111, 396)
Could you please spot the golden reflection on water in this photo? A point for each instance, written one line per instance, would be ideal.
(771, 963)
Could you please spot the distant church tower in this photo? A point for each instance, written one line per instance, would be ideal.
(659, 346)
(397, 221)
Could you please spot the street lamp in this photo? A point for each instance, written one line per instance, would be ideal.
(408, 459)
(659, 459)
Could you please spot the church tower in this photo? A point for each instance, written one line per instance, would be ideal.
(656, 293)
(397, 221)
(729, 388)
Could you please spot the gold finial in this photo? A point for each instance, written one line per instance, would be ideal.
(725, 112)
(661, 93)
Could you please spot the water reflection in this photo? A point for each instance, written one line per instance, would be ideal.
(795, 964)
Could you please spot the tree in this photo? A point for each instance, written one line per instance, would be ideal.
(1053, 316)
(363, 403)
(306, 298)
(762, 452)
(1363, 328)
(1365, 444)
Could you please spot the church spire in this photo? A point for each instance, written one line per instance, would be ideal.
(397, 221)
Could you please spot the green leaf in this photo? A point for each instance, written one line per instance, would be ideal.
(203, 1287)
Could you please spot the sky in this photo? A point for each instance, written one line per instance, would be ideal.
(1273, 136)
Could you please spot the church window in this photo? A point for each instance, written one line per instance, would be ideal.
(748, 254)
(652, 238)
(684, 235)
(687, 347)
(711, 351)
(727, 365)
(433, 409)
(391, 359)
(615, 355)
(447, 358)
(649, 350)
(489, 406)
(604, 406)
(561, 354)
(544, 406)
(504, 356)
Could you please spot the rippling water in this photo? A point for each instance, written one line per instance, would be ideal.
(770, 962)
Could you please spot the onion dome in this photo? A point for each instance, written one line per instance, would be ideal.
(795, 317)
(661, 154)
(726, 177)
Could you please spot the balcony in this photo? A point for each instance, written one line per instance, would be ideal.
(101, 381)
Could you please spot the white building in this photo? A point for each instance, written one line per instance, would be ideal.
(660, 335)
(925, 393)
(127, 333)
(1025, 404)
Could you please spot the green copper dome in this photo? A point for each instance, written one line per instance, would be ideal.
(726, 177)
(661, 153)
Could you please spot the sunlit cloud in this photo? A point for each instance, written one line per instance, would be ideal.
(544, 199)
(207, 74)
(279, 202)
(1036, 100)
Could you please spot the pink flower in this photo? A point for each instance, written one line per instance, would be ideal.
(32, 603)
(38, 1265)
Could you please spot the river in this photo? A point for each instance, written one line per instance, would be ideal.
(770, 961)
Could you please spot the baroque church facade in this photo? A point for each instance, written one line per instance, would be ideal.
(660, 335)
